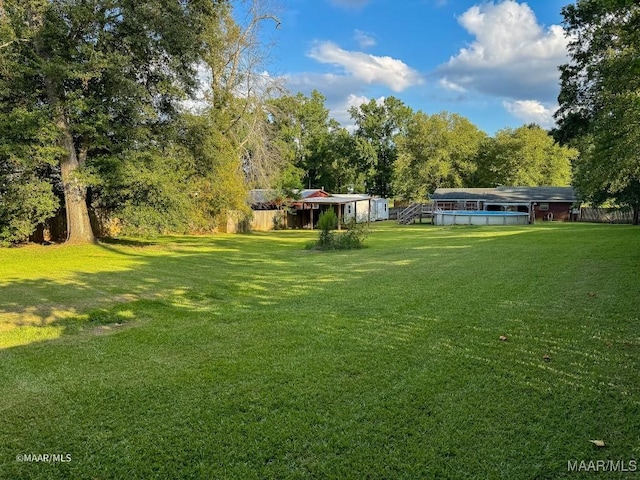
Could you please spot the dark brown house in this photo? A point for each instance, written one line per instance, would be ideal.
(542, 203)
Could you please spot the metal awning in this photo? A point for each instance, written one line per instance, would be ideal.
(335, 200)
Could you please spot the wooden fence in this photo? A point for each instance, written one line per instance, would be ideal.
(263, 220)
(606, 215)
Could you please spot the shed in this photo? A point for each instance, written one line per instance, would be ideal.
(380, 209)
(369, 209)
(359, 207)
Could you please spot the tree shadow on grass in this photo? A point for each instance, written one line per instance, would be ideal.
(126, 242)
(214, 274)
(204, 275)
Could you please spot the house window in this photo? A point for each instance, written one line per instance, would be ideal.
(544, 206)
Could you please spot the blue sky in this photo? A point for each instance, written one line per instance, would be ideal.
(492, 62)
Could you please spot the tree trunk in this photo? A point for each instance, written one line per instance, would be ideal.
(75, 193)
(636, 214)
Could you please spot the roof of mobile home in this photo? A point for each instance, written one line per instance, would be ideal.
(508, 194)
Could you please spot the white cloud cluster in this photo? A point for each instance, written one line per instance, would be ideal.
(367, 68)
(512, 55)
(531, 111)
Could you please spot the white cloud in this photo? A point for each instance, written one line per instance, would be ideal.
(367, 68)
(531, 111)
(340, 110)
(512, 55)
(449, 85)
(364, 39)
(358, 73)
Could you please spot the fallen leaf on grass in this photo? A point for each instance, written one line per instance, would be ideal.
(598, 443)
(503, 338)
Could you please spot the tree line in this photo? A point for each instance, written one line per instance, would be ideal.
(393, 151)
(155, 116)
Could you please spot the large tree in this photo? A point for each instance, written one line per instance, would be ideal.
(229, 136)
(301, 127)
(378, 124)
(103, 73)
(437, 151)
(525, 156)
(236, 55)
(600, 100)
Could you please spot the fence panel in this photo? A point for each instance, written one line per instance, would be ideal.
(605, 215)
(263, 220)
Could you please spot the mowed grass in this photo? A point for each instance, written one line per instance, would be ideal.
(248, 356)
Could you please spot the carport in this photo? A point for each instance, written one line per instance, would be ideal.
(338, 202)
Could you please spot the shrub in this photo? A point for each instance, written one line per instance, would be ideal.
(24, 203)
(349, 239)
(328, 220)
(353, 237)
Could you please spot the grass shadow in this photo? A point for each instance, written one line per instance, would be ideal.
(126, 242)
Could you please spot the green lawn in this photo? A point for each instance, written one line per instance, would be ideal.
(247, 356)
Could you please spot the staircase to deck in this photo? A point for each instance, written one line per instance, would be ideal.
(415, 210)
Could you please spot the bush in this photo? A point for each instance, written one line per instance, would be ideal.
(353, 237)
(349, 239)
(328, 220)
(24, 204)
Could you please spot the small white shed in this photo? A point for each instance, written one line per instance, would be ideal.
(356, 205)
(365, 208)
(379, 209)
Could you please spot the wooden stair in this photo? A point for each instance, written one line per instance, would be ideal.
(413, 211)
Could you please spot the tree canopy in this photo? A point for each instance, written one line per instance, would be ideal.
(600, 100)
(437, 151)
(378, 125)
(103, 75)
(525, 156)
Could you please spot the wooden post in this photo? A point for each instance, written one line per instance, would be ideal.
(339, 217)
(311, 216)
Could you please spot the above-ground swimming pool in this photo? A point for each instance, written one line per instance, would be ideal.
(479, 217)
